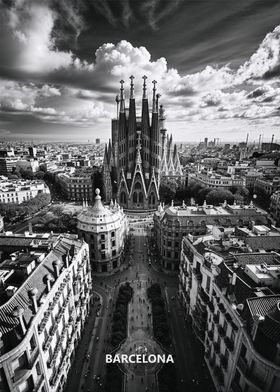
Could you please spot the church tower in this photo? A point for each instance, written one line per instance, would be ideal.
(138, 146)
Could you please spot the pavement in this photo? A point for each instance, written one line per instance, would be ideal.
(140, 377)
(191, 369)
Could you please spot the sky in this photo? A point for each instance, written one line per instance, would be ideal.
(216, 62)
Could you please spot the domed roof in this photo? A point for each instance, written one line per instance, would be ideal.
(98, 214)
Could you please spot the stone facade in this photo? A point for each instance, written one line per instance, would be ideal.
(42, 321)
(171, 224)
(105, 230)
(140, 154)
(236, 320)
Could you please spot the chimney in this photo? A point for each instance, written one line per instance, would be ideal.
(257, 319)
(252, 225)
(33, 295)
(18, 313)
(48, 281)
(30, 229)
(56, 265)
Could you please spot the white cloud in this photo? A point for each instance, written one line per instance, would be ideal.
(266, 60)
(30, 26)
(76, 91)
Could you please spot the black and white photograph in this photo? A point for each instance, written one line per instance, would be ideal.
(139, 195)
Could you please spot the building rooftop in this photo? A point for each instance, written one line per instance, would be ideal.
(36, 279)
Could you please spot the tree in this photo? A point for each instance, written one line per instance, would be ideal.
(167, 189)
(218, 196)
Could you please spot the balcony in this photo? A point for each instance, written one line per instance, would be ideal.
(38, 384)
(197, 274)
(224, 362)
(210, 335)
(222, 308)
(216, 319)
(229, 343)
(203, 296)
(33, 358)
(218, 373)
(228, 317)
(211, 306)
(221, 331)
(251, 378)
(217, 348)
(212, 363)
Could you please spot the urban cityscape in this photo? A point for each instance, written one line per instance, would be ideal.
(139, 200)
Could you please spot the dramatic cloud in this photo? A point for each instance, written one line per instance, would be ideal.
(44, 79)
(266, 61)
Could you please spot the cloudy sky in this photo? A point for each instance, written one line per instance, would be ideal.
(217, 63)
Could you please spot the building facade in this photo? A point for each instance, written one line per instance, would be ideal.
(268, 185)
(275, 207)
(105, 230)
(173, 223)
(214, 180)
(139, 153)
(18, 191)
(232, 302)
(77, 186)
(42, 317)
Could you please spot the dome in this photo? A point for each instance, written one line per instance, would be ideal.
(99, 215)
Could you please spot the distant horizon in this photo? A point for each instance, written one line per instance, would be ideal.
(105, 140)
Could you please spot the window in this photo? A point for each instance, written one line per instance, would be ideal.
(38, 369)
(33, 344)
(102, 246)
(243, 351)
(113, 234)
(114, 252)
(103, 236)
(103, 256)
(207, 284)
(134, 197)
(113, 243)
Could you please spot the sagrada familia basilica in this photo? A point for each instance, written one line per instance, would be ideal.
(139, 154)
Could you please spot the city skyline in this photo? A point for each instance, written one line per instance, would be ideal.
(216, 67)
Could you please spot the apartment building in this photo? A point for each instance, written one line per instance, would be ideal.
(231, 298)
(45, 300)
(171, 224)
(18, 191)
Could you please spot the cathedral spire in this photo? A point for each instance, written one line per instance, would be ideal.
(131, 87)
(157, 98)
(144, 87)
(118, 103)
(154, 97)
(138, 148)
(161, 118)
(122, 97)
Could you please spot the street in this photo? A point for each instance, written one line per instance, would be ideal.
(88, 370)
